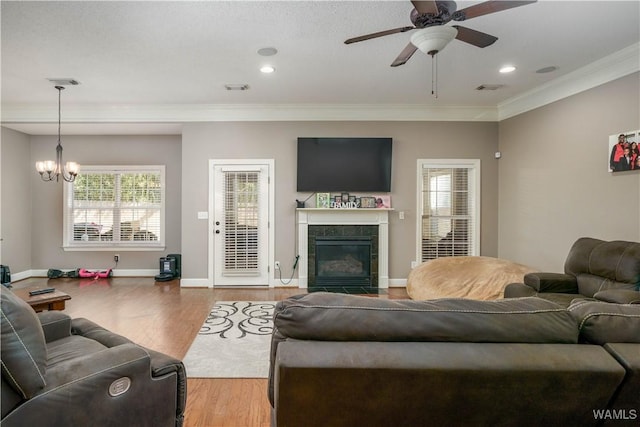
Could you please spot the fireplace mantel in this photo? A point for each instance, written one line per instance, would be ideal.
(317, 216)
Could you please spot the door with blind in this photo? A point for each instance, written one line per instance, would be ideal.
(241, 218)
(449, 208)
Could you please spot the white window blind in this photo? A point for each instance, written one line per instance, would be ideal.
(115, 206)
(449, 217)
(241, 213)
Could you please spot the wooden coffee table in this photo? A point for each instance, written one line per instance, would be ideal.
(51, 301)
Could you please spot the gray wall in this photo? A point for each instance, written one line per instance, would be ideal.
(46, 224)
(277, 140)
(16, 200)
(554, 182)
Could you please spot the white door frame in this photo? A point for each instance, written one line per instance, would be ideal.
(270, 163)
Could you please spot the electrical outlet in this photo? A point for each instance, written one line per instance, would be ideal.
(277, 265)
(116, 258)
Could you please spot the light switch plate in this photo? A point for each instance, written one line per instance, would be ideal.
(203, 215)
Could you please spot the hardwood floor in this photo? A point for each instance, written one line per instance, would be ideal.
(167, 318)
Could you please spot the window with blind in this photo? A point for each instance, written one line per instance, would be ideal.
(241, 214)
(115, 207)
(449, 208)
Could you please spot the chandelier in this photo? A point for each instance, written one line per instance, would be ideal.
(50, 170)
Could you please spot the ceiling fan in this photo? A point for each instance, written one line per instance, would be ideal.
(430, 17)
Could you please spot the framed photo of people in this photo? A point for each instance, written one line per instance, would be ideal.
(624, 153)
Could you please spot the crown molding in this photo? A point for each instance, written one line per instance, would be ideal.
(609, 68)
(612, 67)
(187, 113)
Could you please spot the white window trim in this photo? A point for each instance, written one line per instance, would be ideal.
(473, 164)
(106, 246)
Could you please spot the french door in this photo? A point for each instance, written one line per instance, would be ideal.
(242, 208)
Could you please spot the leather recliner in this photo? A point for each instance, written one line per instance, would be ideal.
(60, 371)
(594, 269)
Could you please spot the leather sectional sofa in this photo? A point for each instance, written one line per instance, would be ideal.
(58, 371)
(345, 360)
(594, 269)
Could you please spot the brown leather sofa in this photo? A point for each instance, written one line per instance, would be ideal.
(58, 371)
(346, 360)
(607, 271)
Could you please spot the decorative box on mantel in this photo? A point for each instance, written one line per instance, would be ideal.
(337, 217)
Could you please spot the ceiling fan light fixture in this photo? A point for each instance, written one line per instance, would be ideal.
(432, 40)
(507, 69)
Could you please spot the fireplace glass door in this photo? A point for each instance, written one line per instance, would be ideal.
(343, 261)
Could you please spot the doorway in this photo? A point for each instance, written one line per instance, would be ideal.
(241, 210)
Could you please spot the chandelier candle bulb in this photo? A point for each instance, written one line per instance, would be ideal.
(72, 167)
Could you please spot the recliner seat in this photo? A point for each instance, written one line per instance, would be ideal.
(604, 270)
(60, 371)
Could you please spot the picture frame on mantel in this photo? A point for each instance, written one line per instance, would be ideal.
(624, 151)
(367, 202)
(323, 200)
(383, 201)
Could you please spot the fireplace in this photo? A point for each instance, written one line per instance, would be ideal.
(343, 258)
(351, 224)
(343, 261)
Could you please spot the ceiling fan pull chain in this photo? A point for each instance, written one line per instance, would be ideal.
(434, 76)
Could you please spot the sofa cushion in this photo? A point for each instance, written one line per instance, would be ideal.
(620, 296)
(24, 354)
(603, 322)
(589, 284)
(340, 317)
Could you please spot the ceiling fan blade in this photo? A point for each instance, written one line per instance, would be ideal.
(378, 34)
(404, 56)
(426, 7)
(491, 6)
(476, 38)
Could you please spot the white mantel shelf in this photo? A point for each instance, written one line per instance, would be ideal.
(336, 216)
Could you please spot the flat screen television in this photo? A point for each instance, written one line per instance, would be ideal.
(344, 164)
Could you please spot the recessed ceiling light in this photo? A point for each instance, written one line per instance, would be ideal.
(267, 51)
(547, 69)
(267, 69)
(507, 69)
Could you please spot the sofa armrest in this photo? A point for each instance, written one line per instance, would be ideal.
(90, 385)
(552, 282)
(55, 325)
(618, 296)
(91, 330)
(162, 365)
(518, 290)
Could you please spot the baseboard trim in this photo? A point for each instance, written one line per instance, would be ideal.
(184, 283)
(195, 283)
(397, 283)
(204, 283)
(116, 273)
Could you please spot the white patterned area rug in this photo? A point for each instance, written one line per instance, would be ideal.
(233, 342)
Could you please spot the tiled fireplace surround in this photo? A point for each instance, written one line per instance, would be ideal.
(345, 223)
